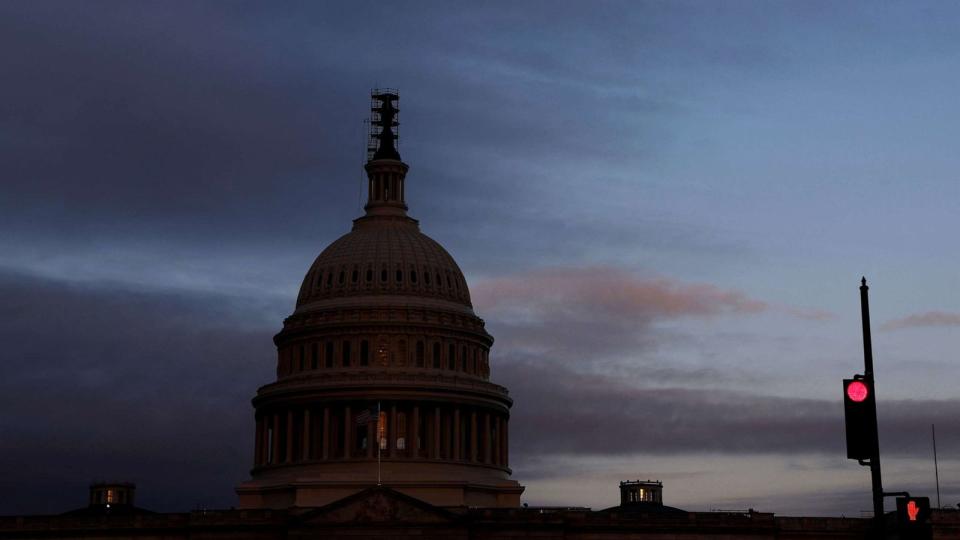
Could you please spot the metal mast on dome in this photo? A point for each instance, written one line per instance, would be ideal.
(383, 137)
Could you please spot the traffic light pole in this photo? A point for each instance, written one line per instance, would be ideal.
(868, 374)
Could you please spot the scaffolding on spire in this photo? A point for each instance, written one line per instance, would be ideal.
(383, 136)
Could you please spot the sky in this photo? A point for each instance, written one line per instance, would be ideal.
(663, 210)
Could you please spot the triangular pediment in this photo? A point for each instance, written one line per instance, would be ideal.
(377, 505)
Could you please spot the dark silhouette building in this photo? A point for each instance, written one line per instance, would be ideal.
(382, 369)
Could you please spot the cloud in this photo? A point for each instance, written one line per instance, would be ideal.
(603, 311)
(560, 411)
(921, 320)
(109, 382)
(609, 292)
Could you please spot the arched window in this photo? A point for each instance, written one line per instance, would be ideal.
(420, 354)
(402, 353)
(314, 355)
(369, 275)
(355, 275)
(413, 276)
(463, 358)
(436, 356)
(399, 275)
(340, 279)
(301, 357)
(328, 356)
(452, 357)
(364, 352)
(345, 354)
(426, 277)
(383, 353)
(383, 275)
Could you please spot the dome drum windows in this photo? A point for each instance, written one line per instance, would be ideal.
(402, 353)
(364, 352)
(345, 354)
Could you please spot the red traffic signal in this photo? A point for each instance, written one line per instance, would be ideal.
(857, 391)
(913, 517)
(860, 414)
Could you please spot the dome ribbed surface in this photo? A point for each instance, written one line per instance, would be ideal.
(384, 257)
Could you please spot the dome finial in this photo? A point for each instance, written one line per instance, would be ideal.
(383, 120)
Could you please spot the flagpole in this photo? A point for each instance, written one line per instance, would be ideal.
(378, 443)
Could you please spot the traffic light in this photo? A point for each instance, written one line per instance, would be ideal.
(860, 412)
(913, 518)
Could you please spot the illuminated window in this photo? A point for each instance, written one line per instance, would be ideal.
(382, 430)
(401, 434)
(383, 354)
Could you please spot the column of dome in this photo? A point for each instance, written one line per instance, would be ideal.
(413, 430)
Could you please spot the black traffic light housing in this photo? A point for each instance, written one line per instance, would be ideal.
(913, 518)
(860, 413)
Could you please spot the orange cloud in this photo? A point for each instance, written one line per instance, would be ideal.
(919, 320)
(609, 292)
